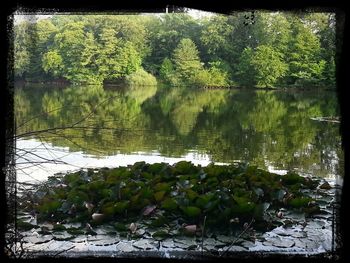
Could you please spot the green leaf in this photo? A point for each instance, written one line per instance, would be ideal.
(211, 205)
(184, 167)
(243, 206)
(161, 234)
(58, 227)
(215, 170)
(299, 202)
(159, 196)
(162, 187)
(156, 168)
(108, 208)
(25, 226)
(49, 206)
(120, 227)
(159, 221)
(278, 195)
(120, 207)
(191, 211)
(203, 200)
(191, 194)
(146, 193)
(169, 204)
(292, 178)
(77, 197)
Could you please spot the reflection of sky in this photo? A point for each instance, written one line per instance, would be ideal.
(41, 155)
(70, 161)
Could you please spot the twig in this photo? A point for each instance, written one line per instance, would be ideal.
(237, 238)
(205, 217)
(44, 113)
(22, 183)
(64, 251)
(333, 227)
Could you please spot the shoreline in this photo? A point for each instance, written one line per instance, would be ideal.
(64, 84)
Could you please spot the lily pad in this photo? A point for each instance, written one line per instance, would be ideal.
(120, 207)
(292, 178)
(183, 196)
(280, 194)
(25, 226)
(225, 239)
(58, 227)
(36, 239)
(143, 244)
(75, 231)
(125, 247)
(160, 235)
(60, 236)
(279, 242)
(235, 248)
(158, 196)
(248, 244)
(168, 243)
(191, 211)
(299, 202)
(105, 241)
(169, 204)
(184, 167)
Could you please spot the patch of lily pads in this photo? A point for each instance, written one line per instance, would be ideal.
(159, 201)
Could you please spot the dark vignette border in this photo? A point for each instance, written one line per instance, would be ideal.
(8, 190)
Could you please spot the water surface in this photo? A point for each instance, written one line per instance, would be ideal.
(96, 127)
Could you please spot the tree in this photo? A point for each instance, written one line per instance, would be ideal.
(186, 59)
(129, 59)
(276, 31)
(245, 72)
(246, 33)
(116, 58)
(77, 49)
(305, 63)
(108, 68)
(167, 68)
(268, 65)
(52, 63)
(165, 33)
(168, 73)
(21, 52)
(41, 35)
(215, 35)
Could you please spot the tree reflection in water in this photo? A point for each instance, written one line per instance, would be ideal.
(266, 128)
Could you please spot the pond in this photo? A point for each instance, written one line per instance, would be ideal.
(62, 130)
(81, 127)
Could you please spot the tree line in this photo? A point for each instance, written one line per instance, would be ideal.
(251, 49)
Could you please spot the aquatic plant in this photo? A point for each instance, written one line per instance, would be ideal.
(173, 197)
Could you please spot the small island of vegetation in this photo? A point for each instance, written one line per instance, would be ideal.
(170, 197)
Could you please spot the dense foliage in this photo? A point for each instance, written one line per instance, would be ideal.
(160, 194)
(278, 49)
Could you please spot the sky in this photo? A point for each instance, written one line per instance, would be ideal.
(19, 17)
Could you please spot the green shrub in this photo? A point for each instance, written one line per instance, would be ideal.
(202, 78)
(210, 77)
(141, 78)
